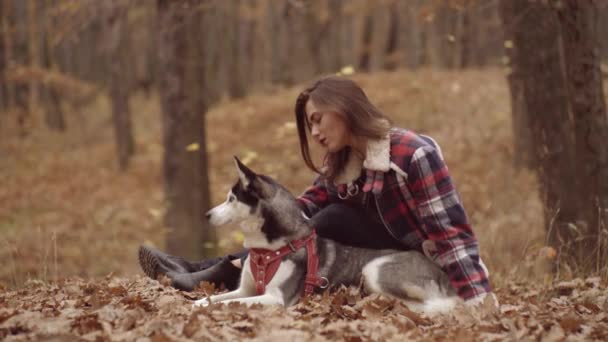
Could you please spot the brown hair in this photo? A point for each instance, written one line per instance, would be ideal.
(346, 98)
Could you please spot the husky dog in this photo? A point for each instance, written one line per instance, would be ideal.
(270, 219)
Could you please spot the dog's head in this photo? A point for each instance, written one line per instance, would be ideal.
(266, 211)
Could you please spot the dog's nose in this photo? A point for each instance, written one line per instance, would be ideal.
(208, 215)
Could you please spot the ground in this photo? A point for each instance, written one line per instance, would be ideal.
(67, 212)
(121, 309)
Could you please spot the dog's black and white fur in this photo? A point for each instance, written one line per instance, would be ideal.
(270, 217)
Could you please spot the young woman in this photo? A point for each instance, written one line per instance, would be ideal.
(380, 187)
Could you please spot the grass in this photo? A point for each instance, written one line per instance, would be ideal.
(66, 210)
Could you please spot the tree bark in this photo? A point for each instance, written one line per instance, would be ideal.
(183, 106)
(522, 138)
(54, 117)
(378, 36)
(318, 31)
(602, 31)
(210, 22)
(537, 56)
(277, 29)
(302, 61)
(119, 82)
(556, 57)
(236, 54)
(6, 93)
(34, 56)
(578, 23)
(246, 48)
(410, 47)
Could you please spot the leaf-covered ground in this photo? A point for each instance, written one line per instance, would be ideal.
(126, 309)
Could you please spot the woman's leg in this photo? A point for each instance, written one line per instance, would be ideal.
(186, 275)
(352, 227)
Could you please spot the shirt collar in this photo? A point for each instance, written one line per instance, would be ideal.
(378, 158)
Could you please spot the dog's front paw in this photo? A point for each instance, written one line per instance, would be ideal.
(201, 303)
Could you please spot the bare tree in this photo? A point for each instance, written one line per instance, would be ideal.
(34, 54)
(379, 28)
(556, 63)
(6, 93)
(116, 21)
(580, 51)
(53, 113)
(183, 102)
(277, 14)
(236, 57)
(409, 47)
(521, 128)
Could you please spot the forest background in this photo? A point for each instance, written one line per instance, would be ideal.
(119, 120)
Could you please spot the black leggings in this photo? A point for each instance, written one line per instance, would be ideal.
(352, 227)
(338, 222)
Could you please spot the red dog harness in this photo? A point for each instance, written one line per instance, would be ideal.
(265, 263)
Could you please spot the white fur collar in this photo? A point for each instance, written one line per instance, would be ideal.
(378, 158)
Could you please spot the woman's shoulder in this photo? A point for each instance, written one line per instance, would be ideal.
(405, 142)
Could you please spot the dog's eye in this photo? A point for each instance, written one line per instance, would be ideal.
(231, 198)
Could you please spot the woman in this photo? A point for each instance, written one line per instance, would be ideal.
(379, 187)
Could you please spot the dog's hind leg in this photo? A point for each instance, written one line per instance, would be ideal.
(412, 277)
(380, 277)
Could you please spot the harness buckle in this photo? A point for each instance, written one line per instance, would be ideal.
(291, 246)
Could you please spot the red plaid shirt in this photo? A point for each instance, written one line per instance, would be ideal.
(418, 202)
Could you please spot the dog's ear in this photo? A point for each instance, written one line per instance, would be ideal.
(245, 174)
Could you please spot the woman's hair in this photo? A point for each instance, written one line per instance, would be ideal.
(346, 98)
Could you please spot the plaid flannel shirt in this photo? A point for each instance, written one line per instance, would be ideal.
(418, 201)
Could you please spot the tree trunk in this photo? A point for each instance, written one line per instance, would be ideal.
(302, 61)
(348, 35)
(378, 36)
(332, 43)
(16, 94)
(34, 57)
(246, 48)
(459, 38)
(602, 31)
(392, 54)
(236, 54)
(522, 138)
(260, 44)
(578, 23)
(556, 57)
(537, 59)
(183, 106)
(54, 117)
(277, 29)
(209, 23)
(409, 34)
(119, 83)
(6, 96)
(318, 31)
(357, 12)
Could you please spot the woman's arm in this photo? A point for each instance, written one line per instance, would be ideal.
(315, 197)
(445, 222)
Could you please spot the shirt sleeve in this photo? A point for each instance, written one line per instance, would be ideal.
(445, 222)
(315, 197)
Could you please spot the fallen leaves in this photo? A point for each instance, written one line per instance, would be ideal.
(124, 309)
